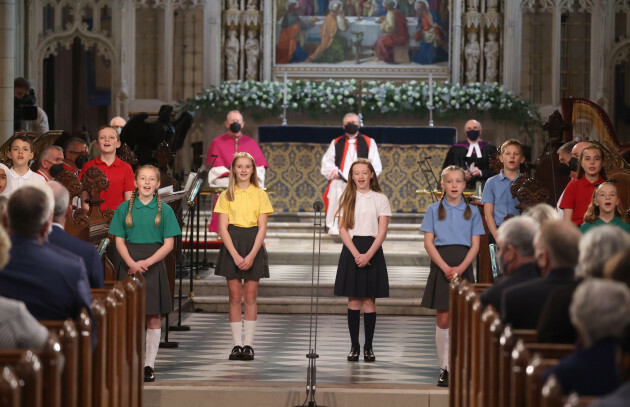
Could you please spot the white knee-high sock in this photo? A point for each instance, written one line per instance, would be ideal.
(152, 346)
(237, 331)
(250, 330)
(442, 344)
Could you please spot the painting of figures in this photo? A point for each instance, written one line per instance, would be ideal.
(362, 32)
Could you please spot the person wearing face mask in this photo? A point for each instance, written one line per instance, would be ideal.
(224, 147)
(473, 155)
(50, 162)
(515, 239)
(336, 164)
(556, 252)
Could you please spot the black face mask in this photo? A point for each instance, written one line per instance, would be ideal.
(473, 134)
(573, 164)
(55, 169)
(563, 169)
(351, 128)
(235, 127)
(81, 160)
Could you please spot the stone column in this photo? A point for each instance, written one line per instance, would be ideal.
(267, 50)
(212, 61)
(7, 67)
(456, 52)
(512, 37)
(556, 38)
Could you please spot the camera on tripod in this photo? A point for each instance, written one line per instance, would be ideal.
(24, 109)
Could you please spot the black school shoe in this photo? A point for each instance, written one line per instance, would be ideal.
(353, 356)
(149, 376)
(248, 353)
(237, 353)
(368, 355)
(443, 380)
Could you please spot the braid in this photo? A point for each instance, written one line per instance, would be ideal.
(441, 210)
(129, 219)
(158, 217)
(468, 211)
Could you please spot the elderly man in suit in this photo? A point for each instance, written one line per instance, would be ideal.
(556, 252)
(515, 239)
(52, 282)
(59, 237)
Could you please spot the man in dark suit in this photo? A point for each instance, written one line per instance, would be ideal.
(59, 237)
(52, 282)
(516, 256)
(556, 252)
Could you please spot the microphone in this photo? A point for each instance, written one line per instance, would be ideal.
(318, 205)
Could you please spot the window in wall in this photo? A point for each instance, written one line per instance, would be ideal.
(575, 53)
(187, 52)
(536, 57)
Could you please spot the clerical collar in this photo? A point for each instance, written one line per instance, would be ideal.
(474, 147)
(352, 137)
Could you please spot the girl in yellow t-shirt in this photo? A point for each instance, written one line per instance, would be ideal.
(243, 210)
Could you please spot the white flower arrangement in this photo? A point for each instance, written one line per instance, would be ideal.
(376, 98)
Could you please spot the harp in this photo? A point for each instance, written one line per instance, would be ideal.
(588, 121)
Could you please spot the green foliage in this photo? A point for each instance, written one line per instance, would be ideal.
(378, 98)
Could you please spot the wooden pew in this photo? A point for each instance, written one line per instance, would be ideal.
(535, 370)
(522, 358)
(122, 363)
(84, 326)
(141, 310)
(457, 337)
(113, 354)
(52, 367)
(481, 370)
(491, 386)
(132, 356)
(551, 393)
(100, 390)
(69, 339)
(28, 369)
(9, 388)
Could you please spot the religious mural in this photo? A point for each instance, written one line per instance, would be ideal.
(354, 32)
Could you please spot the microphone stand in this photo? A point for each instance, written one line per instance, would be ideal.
(426, 172)
(190, 200)
(311, 371)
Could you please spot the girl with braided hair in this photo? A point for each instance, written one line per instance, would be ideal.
(145, 230)
(452, 232)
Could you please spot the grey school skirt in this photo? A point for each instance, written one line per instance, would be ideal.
(436, 291)
(158, 298)
(243, 240)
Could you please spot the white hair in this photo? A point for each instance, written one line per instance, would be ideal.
(519, 232)
(597, 246)
(600, 309)
(62, 198)
(542, 212)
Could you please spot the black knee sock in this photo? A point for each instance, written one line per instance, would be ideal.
(354, 320)
(369, 320)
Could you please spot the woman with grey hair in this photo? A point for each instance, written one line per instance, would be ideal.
(597, 246)
(542, 212)
(599, 311)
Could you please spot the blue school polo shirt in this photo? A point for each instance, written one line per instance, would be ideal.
(497, 192)
(454, 229)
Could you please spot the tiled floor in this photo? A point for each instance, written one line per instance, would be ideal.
(404, 348)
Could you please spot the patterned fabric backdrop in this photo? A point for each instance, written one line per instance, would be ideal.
(296, 181)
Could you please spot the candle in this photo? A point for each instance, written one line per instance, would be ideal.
(430, 89)
(285, 89)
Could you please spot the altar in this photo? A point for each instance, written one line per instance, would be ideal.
(294, 154)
